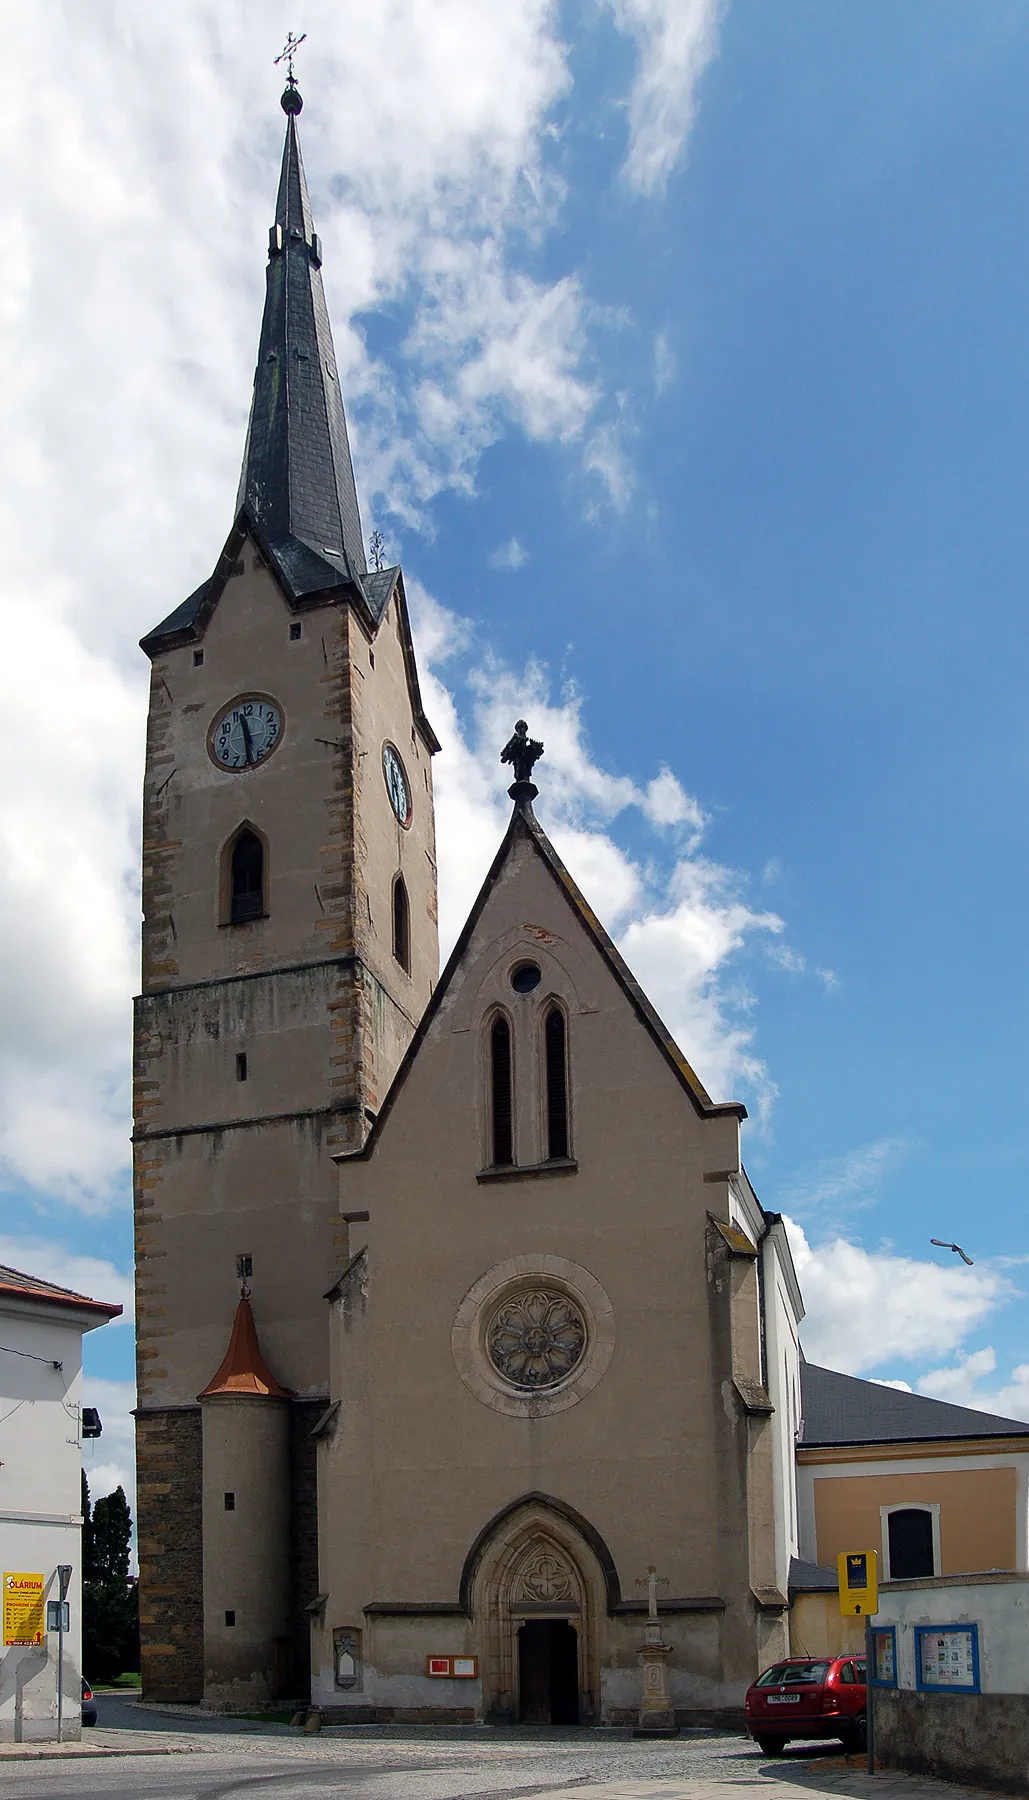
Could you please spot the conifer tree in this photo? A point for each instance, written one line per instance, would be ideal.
(110, 1601)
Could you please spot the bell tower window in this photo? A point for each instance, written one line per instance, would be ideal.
(246, 879)
(556, 1070)
(401, 925)
(502, 1121)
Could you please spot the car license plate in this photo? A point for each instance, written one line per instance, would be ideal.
(783, 1699)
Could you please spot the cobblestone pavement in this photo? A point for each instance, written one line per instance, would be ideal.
(180, 1756)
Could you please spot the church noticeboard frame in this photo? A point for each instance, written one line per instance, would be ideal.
(947, 1656)
(884, 1662)
(452, 1668)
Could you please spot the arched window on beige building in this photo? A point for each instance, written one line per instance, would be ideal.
(555, 1083)
(501, 1075)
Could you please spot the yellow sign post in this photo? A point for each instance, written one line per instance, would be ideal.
(859, 1586)
(859, 1597)
(23, 1608)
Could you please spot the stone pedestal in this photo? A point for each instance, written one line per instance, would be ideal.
(657, 1714)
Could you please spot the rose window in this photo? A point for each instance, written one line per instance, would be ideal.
(535, 1338)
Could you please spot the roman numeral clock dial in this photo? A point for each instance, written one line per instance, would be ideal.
(245, 733)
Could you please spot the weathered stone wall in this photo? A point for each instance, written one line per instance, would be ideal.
(303, 1539)
(169, 1472)
(977, 1738)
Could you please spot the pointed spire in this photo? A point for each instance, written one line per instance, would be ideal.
(243, 1370)
(297, 483)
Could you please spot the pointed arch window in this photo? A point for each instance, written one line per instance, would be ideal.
(246, 879)
(401, 924)
(555, 1056)
(501, 1094)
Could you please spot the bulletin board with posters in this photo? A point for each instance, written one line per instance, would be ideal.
(23, 1608)
(947, 1657)
(884, 1648)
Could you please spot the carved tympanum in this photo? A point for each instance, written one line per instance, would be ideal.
(545, 1578)
(535, 1338)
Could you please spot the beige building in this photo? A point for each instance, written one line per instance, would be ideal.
(525, 1330)
(547, 1349)
(935, 1490)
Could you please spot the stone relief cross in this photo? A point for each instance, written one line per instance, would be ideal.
(651, 1581)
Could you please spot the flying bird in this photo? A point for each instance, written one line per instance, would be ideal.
(942, 1246)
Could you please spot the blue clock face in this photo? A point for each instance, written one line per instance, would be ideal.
(397, 784)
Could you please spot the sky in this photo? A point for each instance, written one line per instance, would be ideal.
(684, 352)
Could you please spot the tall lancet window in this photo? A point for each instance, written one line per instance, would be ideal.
(401, 925)
(502, 1121)
(555, 1057)
(247, 879)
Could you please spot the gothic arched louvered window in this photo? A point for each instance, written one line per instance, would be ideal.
(555, 1057)
(401, 924)
(501, 1094)
(246, 879)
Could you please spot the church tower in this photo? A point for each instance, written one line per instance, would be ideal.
(289, 949)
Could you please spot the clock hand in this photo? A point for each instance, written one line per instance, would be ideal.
(246, 738)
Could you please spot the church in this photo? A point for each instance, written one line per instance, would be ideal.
(462, 1337)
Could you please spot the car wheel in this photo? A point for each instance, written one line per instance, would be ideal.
(90, 1721)
(772, 1746)
(857, 1737)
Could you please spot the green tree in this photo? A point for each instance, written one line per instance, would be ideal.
(110, 1601)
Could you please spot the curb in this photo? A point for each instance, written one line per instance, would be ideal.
(102, 1753)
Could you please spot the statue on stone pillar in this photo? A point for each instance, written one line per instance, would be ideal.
(657, 1714)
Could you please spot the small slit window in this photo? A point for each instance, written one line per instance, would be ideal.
(230, 1503)
(555, 1057)
(401, 924)
(500, 1094)
(241, 1065)
(247, 879)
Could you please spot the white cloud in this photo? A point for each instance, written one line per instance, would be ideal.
(667, 803)
(110, 1460)
(866, 1308)
(512, 555)
(675, 41)
(680, 919)
(853, 1177)
(89, 1275)
(965, 1384)
(664, 362)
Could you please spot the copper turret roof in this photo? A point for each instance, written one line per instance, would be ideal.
(244, 1370)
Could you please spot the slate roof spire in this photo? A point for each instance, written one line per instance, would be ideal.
(297, 483)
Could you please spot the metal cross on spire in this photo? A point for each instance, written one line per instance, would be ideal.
(289, 50)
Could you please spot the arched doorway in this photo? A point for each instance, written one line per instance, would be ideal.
(538, 1595)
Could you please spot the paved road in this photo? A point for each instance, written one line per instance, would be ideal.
(183, 1758)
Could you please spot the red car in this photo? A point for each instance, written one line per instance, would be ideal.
(808, 1698)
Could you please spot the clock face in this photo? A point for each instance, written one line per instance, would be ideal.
(396, 784)
(245, 733)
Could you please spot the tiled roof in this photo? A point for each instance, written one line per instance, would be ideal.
(244, 1370)
(30, 1287)
(842, 1409)
(811, 1578)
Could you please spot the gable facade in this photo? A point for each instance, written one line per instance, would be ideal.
(551, 1369)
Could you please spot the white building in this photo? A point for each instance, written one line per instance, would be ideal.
(41, 1329)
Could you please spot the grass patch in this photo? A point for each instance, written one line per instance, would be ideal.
(130, 1679)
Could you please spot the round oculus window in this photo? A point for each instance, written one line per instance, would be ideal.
(536, 1338)
(526, 976)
